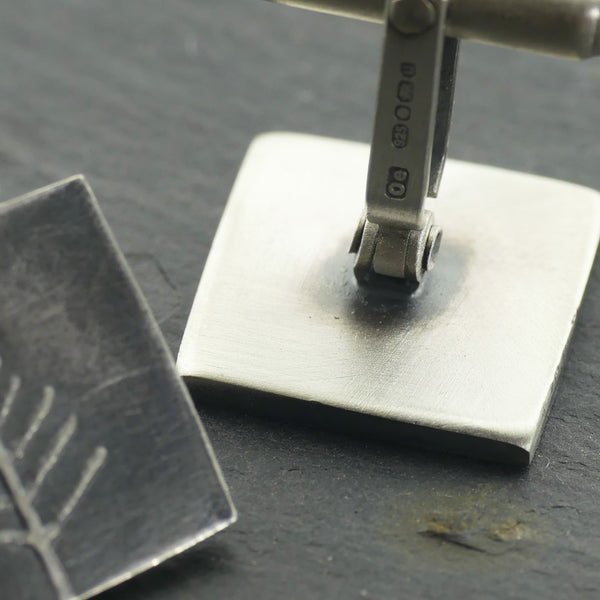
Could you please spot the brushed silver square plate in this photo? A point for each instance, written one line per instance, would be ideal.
(467, 363)
(105, 469)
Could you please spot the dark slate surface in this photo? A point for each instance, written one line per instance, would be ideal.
(156, 102)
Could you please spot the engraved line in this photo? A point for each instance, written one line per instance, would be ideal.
(14, 537)
(38, 537)
(36, 422)
(23, 306)
(9, 399)
(52, 531)
(93, 465)
(116, 380)
(62, 439)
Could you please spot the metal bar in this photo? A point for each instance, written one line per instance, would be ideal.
(403, 134)
(569, 28)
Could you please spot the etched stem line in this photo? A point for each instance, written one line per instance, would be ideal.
(11, 395)
(93, 465)
(62, 439)
(37, 420)
(14, 537)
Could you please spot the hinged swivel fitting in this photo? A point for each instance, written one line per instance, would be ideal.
(396, 237)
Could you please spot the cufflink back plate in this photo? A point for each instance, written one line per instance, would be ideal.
(468, 362)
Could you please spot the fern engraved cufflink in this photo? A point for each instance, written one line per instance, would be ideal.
(105, 469)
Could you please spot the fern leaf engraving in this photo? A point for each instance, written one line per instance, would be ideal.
(65, 433)
(36, 534)
(92, 466)
(35, 424)
(15, 384)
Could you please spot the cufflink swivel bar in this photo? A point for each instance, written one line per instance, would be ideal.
(397, 237)
(567, 28)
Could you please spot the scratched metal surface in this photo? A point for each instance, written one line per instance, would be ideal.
(156, 102)
(104, 468)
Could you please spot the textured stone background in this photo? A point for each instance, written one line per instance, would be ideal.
(156, 102)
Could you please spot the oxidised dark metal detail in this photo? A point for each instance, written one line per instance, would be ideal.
(104, 467)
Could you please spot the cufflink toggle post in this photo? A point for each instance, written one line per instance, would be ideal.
(397, 237)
